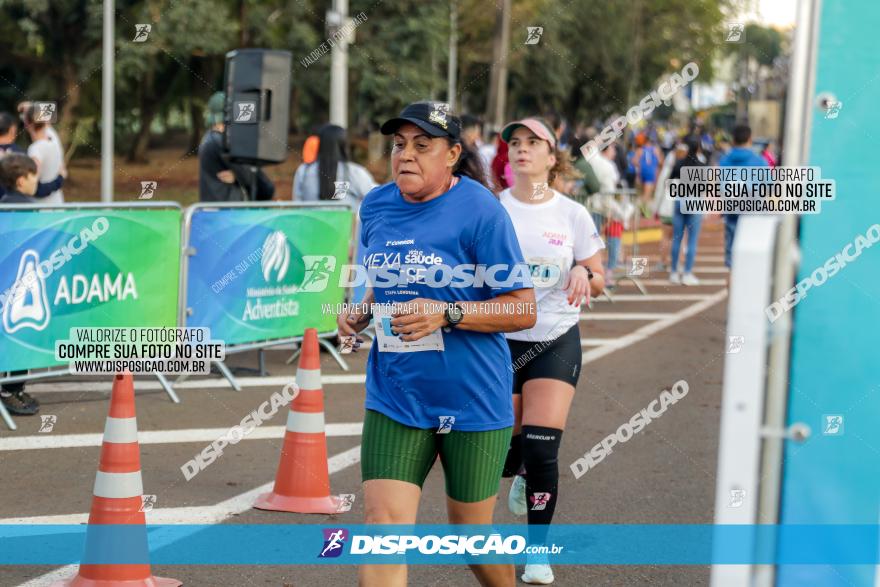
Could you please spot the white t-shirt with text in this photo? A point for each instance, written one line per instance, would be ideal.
(552, 235)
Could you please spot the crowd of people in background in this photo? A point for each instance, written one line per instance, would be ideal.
(639, 163)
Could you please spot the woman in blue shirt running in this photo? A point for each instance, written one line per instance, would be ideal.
(448, 278)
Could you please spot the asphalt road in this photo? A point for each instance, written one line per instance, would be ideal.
(665, 474)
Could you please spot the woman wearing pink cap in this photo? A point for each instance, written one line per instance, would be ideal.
(562, 247)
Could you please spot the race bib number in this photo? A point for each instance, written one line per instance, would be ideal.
(546, 271)
(391, 343)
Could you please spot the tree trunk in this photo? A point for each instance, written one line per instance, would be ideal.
(66, 124)
(138, 150)
(196, 117)
(495, 105)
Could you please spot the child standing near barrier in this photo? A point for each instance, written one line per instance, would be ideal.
(18, 176)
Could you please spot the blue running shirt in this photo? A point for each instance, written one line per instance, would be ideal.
(471, 378)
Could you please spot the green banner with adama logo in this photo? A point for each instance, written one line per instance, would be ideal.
(87, 267)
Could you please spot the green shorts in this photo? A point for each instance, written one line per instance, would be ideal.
(472, 461)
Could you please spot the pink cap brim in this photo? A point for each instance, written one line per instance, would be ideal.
(541, 131)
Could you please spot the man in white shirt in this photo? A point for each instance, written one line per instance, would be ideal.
(606, 170)
(45, 149)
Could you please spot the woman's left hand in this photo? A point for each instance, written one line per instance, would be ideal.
(418, 318)
(578, 286)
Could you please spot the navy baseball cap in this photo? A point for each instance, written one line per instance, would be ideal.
(432, 117)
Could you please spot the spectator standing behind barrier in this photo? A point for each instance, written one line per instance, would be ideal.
(317, 180)
(740, 155)
(8, 133)
(589, 183)
(451, 400)
(18, 177)
(606, 206)
(45, 149)
(220, 180)
(682, 222)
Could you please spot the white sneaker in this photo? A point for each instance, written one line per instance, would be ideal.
(537, 574)
(675, 278)
(690, 279)
(516, 499)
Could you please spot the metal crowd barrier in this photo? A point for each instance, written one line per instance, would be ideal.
(187, 251)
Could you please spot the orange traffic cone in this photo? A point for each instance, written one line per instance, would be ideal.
(302, 484)
(118, 499)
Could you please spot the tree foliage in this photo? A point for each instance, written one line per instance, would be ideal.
(592, 59)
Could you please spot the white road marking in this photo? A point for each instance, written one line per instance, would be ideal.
(596, 341)
(213, 383)
(665, 282)
(43, 441)
(711, 269)
(210, 514)
(243, 502)
(625, 315)
(655, 298)
(653, 328)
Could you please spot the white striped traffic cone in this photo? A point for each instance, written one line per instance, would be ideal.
(303, 482)
(118, 500)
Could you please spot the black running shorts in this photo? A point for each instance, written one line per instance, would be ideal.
(556, 359)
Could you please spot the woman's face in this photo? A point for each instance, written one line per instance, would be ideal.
(421, 164)
(529, 154)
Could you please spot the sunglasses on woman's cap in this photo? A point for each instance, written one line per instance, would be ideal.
(432, 117)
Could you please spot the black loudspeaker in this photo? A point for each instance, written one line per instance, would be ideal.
(257, 85)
